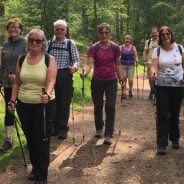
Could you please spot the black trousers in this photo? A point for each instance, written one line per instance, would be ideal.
(168, 104)
(31, 117)
(63, 92)
(9, 118)
(98, 89)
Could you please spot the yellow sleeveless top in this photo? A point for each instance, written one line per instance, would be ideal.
(33, 79)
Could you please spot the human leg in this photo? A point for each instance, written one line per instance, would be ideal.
(176, 95)
(64, 90)
(110, 93)
(131, 70)
(97, 91)
(9, 122)
(162, 109)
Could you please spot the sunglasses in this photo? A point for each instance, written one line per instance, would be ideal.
(32, 40)
(165, 34)
(104, 32)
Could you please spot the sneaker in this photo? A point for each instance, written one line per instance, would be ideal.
(31, 176)
(160, 150)
(99, 134)
(130, 94)
(107, 141)
(62, 134)
(175, 145)
(6, 146)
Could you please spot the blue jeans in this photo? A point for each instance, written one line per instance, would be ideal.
(168, 104)
(98, 89)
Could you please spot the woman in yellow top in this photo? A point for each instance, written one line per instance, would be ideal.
(34, 106)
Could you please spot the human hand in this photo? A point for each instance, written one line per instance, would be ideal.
(83, 74)
(11, 107)
(72, 69)
(45, 97)
(153, 76)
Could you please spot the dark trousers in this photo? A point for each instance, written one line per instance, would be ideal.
(9, 118)
(64, 92)
(31, 117)
(168, 104)
(98, 89)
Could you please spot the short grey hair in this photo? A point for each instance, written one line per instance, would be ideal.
(60, 22)
(43, 37)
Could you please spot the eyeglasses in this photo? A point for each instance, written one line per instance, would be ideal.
(60, 29)
(32, 40)
(104, 32)
(13, 27)
(165, 34)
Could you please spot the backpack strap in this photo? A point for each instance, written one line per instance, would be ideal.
(149, 41)
(22, 58)
(158, 51)
(179, 48)
(96, 48)
(47, 59)
(69, 45)
(50, 46)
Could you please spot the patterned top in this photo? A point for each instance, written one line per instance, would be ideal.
(10, 53)
(62, 56)
(170, 71)
(127, 56)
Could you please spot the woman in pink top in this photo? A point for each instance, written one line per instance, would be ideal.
(105, 57)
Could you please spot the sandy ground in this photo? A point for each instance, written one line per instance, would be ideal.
(131, 159)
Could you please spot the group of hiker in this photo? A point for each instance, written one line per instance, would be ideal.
(37, 78)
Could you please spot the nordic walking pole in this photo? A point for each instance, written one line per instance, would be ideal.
(143, 81)
(83, 102)
(44, 118)
(136, 65)
(21, 147)
(18, 135)
(73, 122)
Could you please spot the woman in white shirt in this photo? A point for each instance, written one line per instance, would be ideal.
(167, 70)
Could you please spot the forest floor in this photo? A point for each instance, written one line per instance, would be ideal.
(131, 159)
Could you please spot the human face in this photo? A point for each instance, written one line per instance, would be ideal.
(60, 32)
(35, 42)
(127, 41)
(165, 36)
(14, 31)
(104, 35)
(154, 34)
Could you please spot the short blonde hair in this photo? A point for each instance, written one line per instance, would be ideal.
(14, 21)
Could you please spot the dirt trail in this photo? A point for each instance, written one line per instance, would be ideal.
(131, 159)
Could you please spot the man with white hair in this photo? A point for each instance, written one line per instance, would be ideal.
(67, 59)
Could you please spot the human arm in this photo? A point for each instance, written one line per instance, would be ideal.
(154, 64)
(75, 58)
(88, 66)
(50, 80)
(145, 52)
(118, 68)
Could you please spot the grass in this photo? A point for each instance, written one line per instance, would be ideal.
(12, 155)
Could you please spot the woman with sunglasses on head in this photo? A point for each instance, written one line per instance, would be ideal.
(12, 49)
(167, 70)
(33, 90)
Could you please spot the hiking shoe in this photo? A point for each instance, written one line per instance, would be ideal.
(130, 94)
(175, 145)
(6, 146)
(160, 150)
(107, 141)
(62, 134)
(99, 134)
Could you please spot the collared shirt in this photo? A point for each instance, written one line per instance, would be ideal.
(62, 56)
